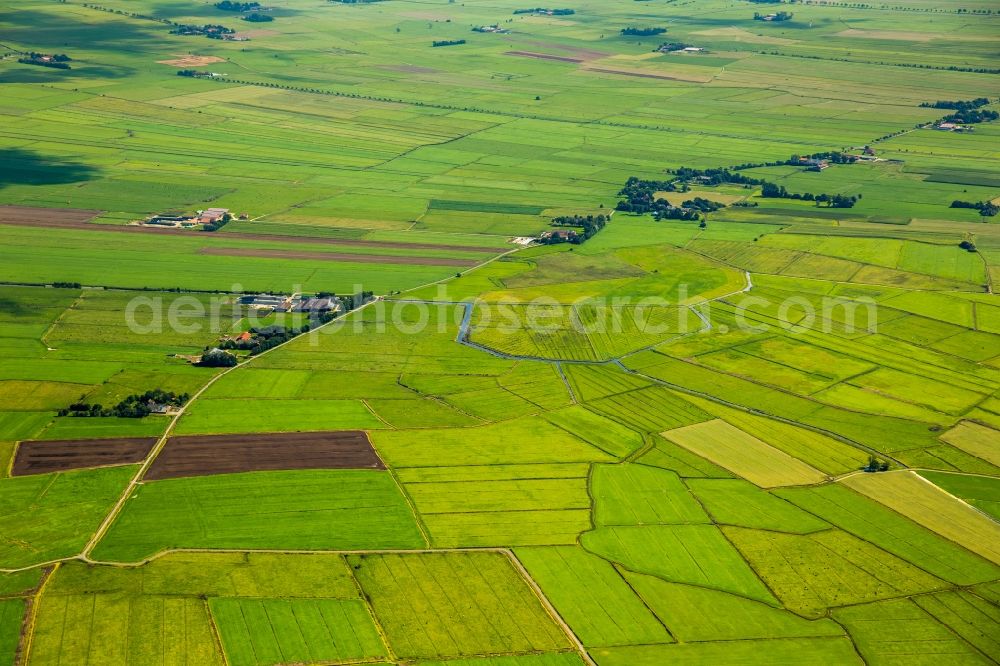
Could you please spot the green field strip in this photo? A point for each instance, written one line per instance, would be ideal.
(916, 635)
(856, 571)
(365, 507)
(675, 553)
(696, 614)
(12, 613)
(784, 651)
(628, 494)
(275, 631)
(882, 527)
(454, 604)
(51, 516)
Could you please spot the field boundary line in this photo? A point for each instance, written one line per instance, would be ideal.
(417, 518)
(365, 599)
(30, 618)
(216, 634)
(55, 322)
(293, 551)
(549, 608)
(954, 497)
(158, 447)
(565, 379)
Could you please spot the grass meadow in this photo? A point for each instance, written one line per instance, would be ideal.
(669, 471)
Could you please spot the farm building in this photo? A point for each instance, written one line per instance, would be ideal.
(559, 235)
(212, 215)
(280, 303)
(326, 304)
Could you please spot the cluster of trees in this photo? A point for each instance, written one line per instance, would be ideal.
(957, 105)
(57, 57)
(544, 10)
(833, 156)
(780, 16)
(134, 406)
(590, 224)
(209, 30)
(971, 116)
(66, 285)
(57, 61)
(642, 32)
(716, 176)
(193, 73)
(875, 465)
(702, 204)
(668, 47)
(223, 221)
(773, 191)
(230, 6)
(985, 208)
(968, 246)
(640, 197)
(448, 42)
(350, 302)
(967, 111)
(258, 18)
(217, 358)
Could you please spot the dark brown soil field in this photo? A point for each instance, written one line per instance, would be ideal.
(77, 219)
(58, 456)
(338, 256)
(202, 455)
(45, 217)
(544, 56)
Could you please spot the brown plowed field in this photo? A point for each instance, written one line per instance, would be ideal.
(337, 256)
(202, 455)
(77, 219)
(46, 217)
(62, 455)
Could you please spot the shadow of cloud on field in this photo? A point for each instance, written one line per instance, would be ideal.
(62, 29)
(26, 167)
(36, 74)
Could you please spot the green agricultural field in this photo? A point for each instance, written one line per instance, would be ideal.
(274, 631)
(457, 587)
(631, 299)
(51, 516)
(333, 510)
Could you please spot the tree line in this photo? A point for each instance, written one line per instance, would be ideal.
(985, 208)
(544, 10)
(134, 406)
(642, 32)
(589, 225)
(230, 6)
(780, 16)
